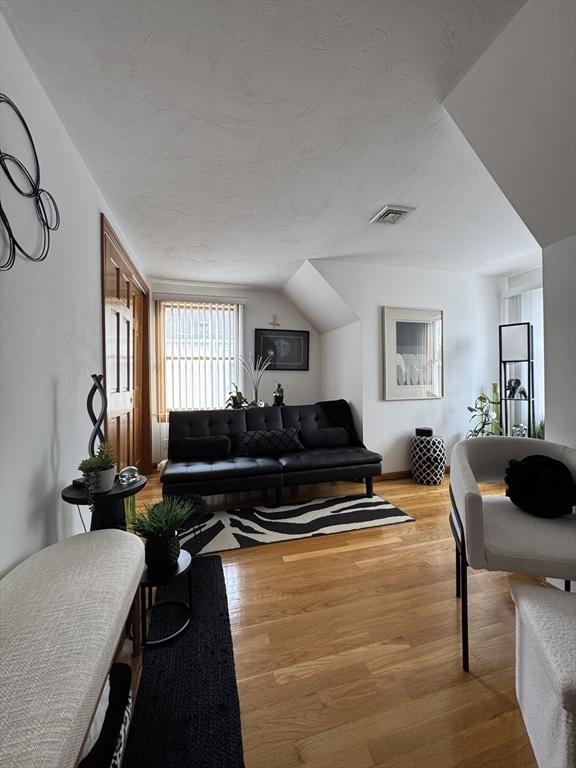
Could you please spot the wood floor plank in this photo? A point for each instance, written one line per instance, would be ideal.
(347, 647)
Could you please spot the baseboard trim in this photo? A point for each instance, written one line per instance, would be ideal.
(402, 474)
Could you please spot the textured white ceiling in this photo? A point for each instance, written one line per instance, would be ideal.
(234, 140)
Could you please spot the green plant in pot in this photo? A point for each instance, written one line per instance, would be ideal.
(159, 524)
(279, 394)
(99, 470)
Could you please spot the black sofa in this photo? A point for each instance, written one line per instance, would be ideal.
(198, 462)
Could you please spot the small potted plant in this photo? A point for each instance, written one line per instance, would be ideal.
(236, 399)
(279, 394)
(158, 525)
(99, 470)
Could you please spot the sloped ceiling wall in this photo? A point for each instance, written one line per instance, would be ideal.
(516, 108)
(317, 300)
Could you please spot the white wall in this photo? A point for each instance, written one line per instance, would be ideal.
(260, 306)
(471, 318)
(559, 273)
(50, 329)
(516, 108)
(341, 368)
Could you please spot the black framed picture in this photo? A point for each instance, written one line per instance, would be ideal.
(289, 349)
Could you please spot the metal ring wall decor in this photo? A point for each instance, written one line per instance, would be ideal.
(29, 186)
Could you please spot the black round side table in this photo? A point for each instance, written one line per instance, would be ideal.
(108, 507)
(157, 578)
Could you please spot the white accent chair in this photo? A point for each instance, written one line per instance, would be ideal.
(491, 533)
(546, 672)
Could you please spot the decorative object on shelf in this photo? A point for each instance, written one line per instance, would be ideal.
(413, 351)
(516, 365)
(159, 524)
(515, 390)
(27, 184)
(99, 470)
(483, 417)
(287, 350)
(519, 430)
(428, 460)
(236, 399)
(129, 475)
(255, 368)
(97, 421)
(279, 394)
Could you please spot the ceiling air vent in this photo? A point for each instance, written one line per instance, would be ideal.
(391, 214)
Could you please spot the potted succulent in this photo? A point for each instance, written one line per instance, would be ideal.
(279, 394)
(158, 525)
(99, 470)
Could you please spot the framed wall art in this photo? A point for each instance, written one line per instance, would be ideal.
(413, 353)
(289, 349)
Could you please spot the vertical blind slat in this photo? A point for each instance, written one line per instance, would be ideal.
(200, 343)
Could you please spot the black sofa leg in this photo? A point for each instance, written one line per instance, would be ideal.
(277, 496)
(458, 566)
(369, 487)
(464, 606)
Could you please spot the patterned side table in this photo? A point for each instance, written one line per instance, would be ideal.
(428, 460)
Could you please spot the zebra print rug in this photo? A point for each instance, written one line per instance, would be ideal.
(250, 527)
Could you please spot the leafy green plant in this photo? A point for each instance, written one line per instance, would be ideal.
(483, 417)
(103, 460)
(538, 430)
(161, 520)
(236, 399)
(279, 391)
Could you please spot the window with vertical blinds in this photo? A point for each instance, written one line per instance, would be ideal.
(198, 344)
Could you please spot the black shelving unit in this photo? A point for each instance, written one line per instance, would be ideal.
(522, 340)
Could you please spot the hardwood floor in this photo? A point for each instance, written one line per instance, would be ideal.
(347, 647)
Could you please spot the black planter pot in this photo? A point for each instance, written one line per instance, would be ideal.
(278, 399)
(161, 554)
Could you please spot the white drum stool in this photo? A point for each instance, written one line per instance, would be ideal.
(546, 672)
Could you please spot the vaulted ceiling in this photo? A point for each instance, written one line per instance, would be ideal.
(234, 140)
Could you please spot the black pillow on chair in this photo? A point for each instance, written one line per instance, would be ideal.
(541, 486)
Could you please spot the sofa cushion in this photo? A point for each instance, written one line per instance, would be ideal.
(205, 423)
(235, 466)
(326, 437)
(321, 458)
(304, 417)
(515, 540)
(273, 442)
(199, 448)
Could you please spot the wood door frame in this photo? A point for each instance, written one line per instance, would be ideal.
(106, 230)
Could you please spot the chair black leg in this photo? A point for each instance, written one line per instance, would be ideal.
(458, 566)
(464, 606)
(369, 487)
(567, 585)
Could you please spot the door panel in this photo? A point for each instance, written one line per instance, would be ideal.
(126, 365)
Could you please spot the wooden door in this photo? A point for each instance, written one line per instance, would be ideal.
(126, 361)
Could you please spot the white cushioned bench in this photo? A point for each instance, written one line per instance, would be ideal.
(62, 614)
(546, 672)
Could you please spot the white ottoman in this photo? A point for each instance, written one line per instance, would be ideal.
(546, 672)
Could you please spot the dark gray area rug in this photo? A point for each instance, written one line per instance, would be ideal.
(252, 526)
(187, 713)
